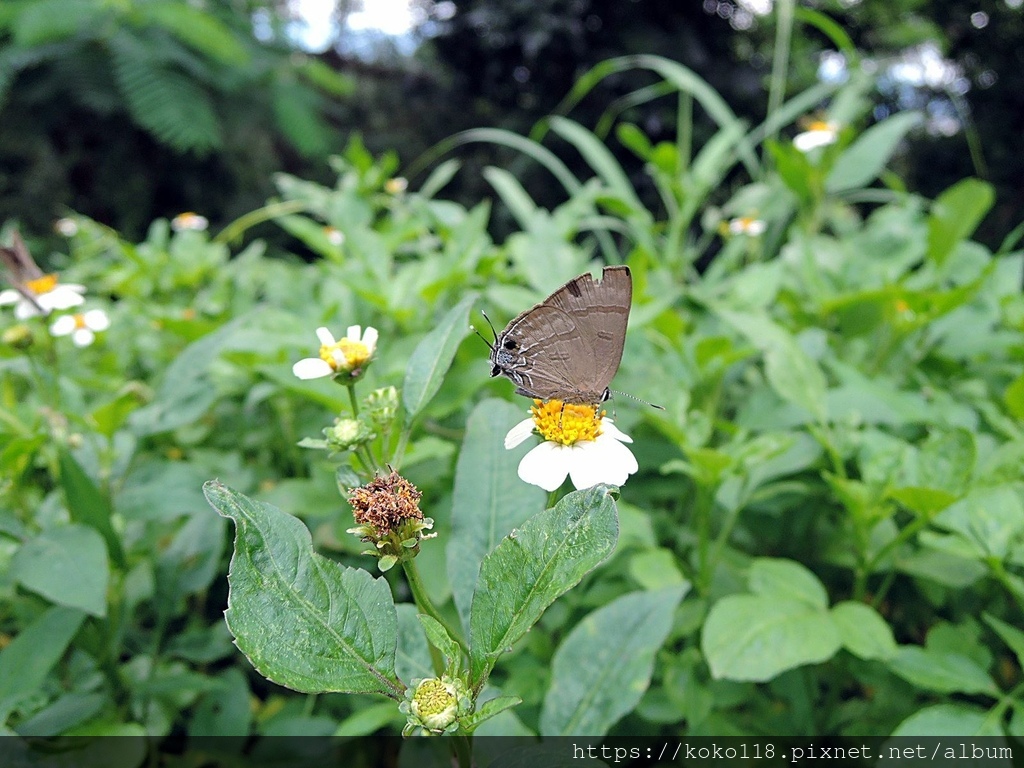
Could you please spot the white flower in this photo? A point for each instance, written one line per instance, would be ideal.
(747, 225)
(82, 326)
(66, 227)
(396, 186)
(48, 295)
(334, 235)
(349, 355)
(578, 443)
(189, 221)
(819, 133)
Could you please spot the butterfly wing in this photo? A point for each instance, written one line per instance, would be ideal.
(569, 346)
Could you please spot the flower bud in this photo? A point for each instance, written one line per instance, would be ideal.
(434, 706)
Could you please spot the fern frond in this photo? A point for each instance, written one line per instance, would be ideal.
(164, 101)
(298, 117)
(46, 21)
(195, 28)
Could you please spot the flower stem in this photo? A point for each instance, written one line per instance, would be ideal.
(423, 602)
(462, 745)
(352, 399)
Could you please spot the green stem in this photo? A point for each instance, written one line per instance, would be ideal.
(780, 62)
(462, 745)
(352, 399)
(423, 602)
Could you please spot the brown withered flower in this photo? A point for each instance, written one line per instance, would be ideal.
(388, 515)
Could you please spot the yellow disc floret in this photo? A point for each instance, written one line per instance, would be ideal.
(42, 285)
(819, 125)
(354, 354)
(566, 423)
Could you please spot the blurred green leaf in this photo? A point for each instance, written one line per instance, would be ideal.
(756, 638)
(68, 566)
(304, 621)
(776, 577)
(533, 566)
(862, 161)
(955, 215)
(604, 665)
(432, 357)
(88, 505)
(947, 719)
(862, 631)
(940, 671)
(29, 657)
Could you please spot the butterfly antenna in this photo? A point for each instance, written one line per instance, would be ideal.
(638, 399)
(474, 330)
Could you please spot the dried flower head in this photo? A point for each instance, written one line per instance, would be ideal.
(388, 515)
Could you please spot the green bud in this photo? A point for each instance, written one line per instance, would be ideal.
(18, 336)
(347, 434)
(381, 405)
(435, 705)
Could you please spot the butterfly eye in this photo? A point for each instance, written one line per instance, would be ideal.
(510, 344)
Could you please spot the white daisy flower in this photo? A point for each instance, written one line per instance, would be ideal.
(47, 295)
(82, 326)
(334, 235)
(747, 225)
(189, 221)
(348, 356)
(578, 443)
(819, 133)
(66, 227)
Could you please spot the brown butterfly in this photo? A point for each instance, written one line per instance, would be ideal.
(569, 346)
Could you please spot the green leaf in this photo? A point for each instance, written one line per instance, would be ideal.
(777, 577)
(604, 665)
(864, 159)
(512, 193)
(756, 638)
(87, 505)
(533, 566)
(67, 566)
(940, 671)
(440, 639)
(947, 719)
(368, 720)
(196, 28)
(1014, 398)
(224, 710)
(988, 518)
(862, 631)
(600, 158)
(656, 569)
(433, 356)
(305, 622)
(489, 499)
(792, 373)
(1009, 634)
(489, 709)
(30, 656)
(955, 215)
(413, 657)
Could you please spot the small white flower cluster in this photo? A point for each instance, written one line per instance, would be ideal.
(39, 294)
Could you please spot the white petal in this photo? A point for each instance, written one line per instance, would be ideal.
(354, 332)
(608, 428)
(9, 296)
(809, 140)
(602, 461)
(546, 466)
(62, 297)
(27, 309)
(756, 227)
(518, 433)
(63, 325)
(312, 368)
(325, 336)
(96, 320)
(370, 338)
(83, 337)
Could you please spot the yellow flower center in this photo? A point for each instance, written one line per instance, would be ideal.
(42, 285)
(433, 698)
(355, 353)
(820, 125)
(566, 423)
(79, 319)
(901, 306)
